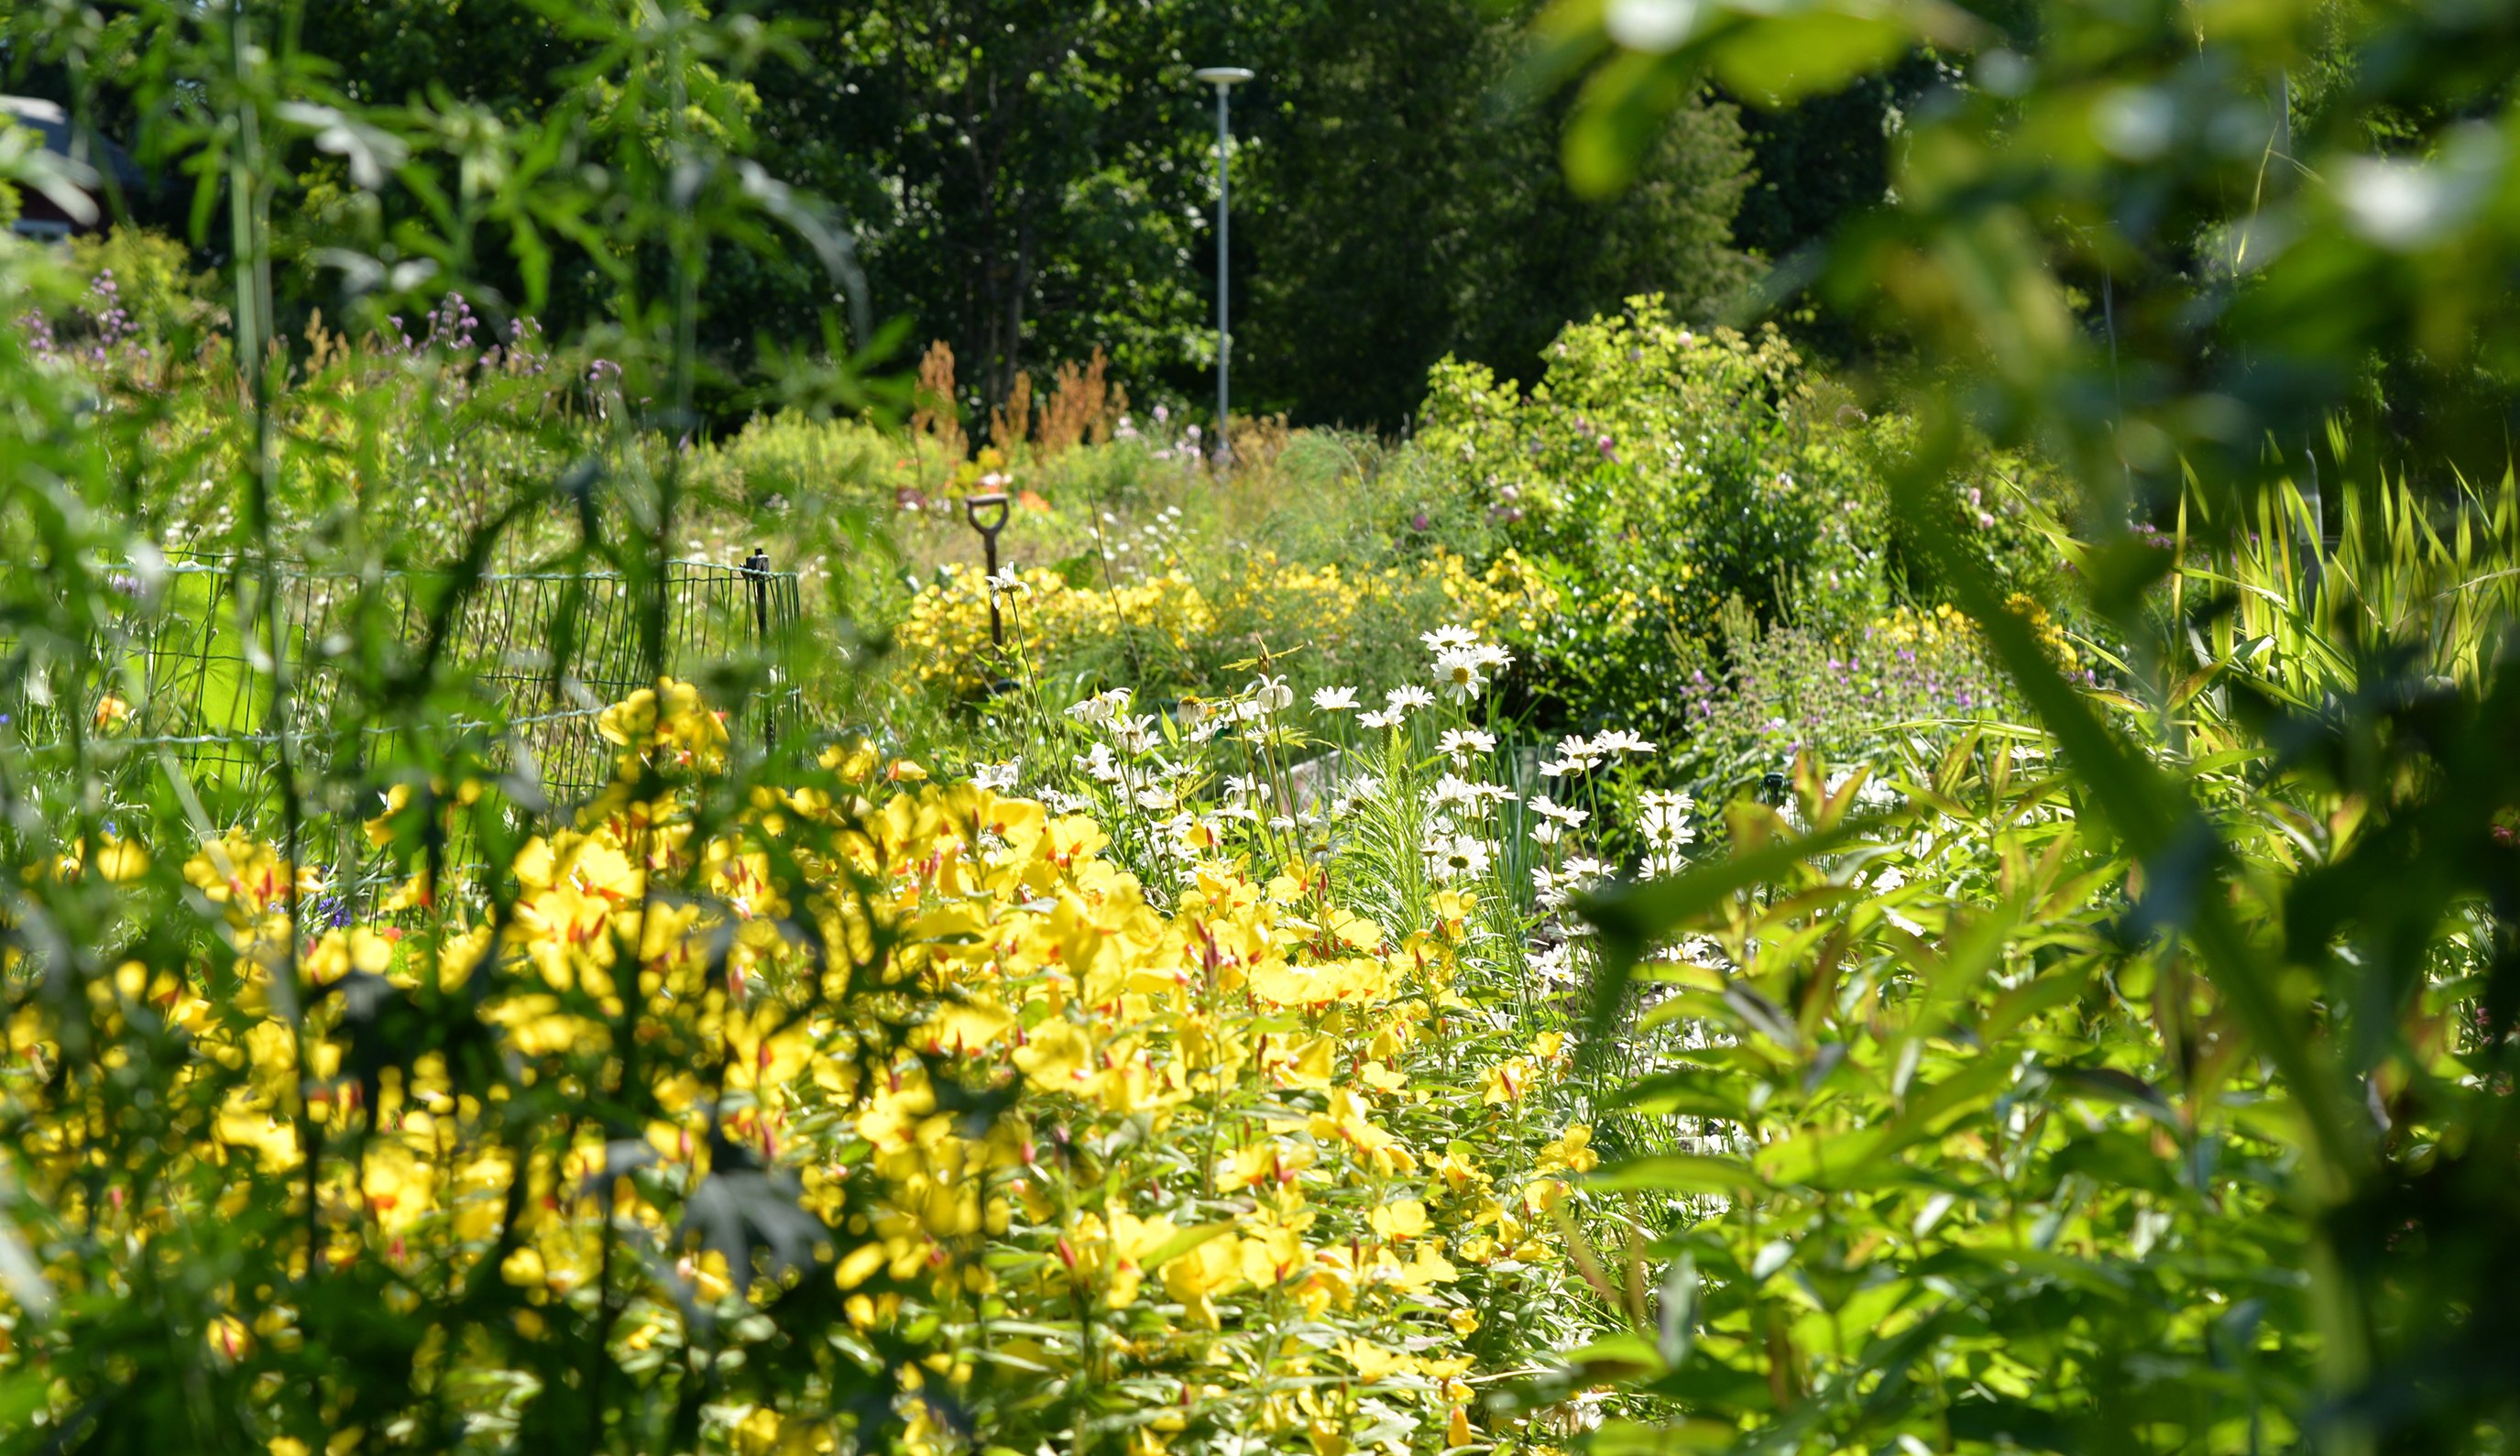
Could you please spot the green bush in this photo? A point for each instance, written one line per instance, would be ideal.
(163, 297)
(1655, 473)
(1711, 457)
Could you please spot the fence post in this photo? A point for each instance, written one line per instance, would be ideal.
(756, 570)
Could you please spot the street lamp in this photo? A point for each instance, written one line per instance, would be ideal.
(1223, 78)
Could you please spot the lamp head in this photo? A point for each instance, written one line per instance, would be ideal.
(1221, 77)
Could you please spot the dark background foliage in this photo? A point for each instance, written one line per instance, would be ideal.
(1029, 181)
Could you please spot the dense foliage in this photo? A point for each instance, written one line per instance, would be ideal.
(1678, 908)
(1031, 182)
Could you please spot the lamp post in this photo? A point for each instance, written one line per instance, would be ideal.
(1223, 78)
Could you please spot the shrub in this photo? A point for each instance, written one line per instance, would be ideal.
(1646, 442)
(154, 282)
(1663, 472)
(779, 459)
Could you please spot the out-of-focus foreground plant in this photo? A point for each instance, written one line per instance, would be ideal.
(2139, 242)
(243, 1133)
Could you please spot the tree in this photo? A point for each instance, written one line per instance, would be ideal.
(1024, 176)
(1404, 207)
(1031, 180)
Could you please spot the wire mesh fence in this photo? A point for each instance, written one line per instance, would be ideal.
(539, 657)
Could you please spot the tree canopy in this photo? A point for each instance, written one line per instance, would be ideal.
(1030, 181)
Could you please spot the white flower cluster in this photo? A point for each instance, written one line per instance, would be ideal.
(1175, 808)
(1663, 825)
(1462, 660)
(1125, 759)
(1578, 756)
(1557, 888)
(1556, 820)
(1457, 857)
(1395, 710)
(1222, 780)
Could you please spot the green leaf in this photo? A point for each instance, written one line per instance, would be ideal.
(1821, 1159)
(2023, 1002)
(2153, 814)
(1709, 1386)
(1677, 1329)
(1678, 1435)
(1182, 1243)
(1631, 919)
(1679, 1172)
(1694, 1093)
(1623, 105)
(1780, 62)
(1859, 1156)
(2109, 1084)
(1619, 1358)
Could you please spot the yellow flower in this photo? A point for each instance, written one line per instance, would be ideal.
(1053, 1056)
(1573, 1153)
(1404, 1219)
(1504, 1082)
(121, 861)
(1195, 1278)
(1372, 1362)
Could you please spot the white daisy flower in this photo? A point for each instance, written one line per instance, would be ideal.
(1461, 857)
(1665, 826)
(1459, 744)
(1549, 808)
(1457, 675)
(1101, 709)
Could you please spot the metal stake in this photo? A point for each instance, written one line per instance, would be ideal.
(971, 507)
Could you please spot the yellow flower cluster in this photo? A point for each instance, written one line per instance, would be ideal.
(1249, 1169)
(1241, 1121)
(946, 632)
(1945, 627)
(1261, 598)
(1510, 597)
